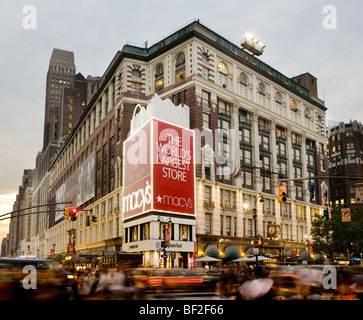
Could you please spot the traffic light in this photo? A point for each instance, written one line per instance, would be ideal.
(94, 220)
(326, 214)
(66, 213)
(72, 213)
(88, 223)
(259, 242)
(282, 195)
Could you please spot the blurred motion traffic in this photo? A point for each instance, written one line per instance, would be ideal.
(47, 280)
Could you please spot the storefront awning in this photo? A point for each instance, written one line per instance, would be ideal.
(211, 251)
(231, 252)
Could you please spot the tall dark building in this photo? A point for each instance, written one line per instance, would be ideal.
(73, 103)
(345, 159)
(60, 75)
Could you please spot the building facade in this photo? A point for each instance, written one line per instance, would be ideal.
(345, 160)
(253, 127)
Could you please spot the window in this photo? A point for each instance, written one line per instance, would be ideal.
(145, 231)
(136, 88)
(222, 68)
(205, 99)
(184, 232)
(294, 111)
(180, 73)
(281, 149)
(350, 146)
(351, 156)
(242, 85)
(205, 57)
(224, 107)
(280, 133)
(205, 72)
(261, 95)
(297, 155)
(136, 73)
(297, 172)
(278, 103)
(265, 142)
(206, 119)
(245, 136)
(208, 223)
(159, 78)
(228, 226)
(282, 169)
(293, 105)
(247, 157)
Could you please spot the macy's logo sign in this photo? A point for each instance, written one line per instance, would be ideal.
(137, 199)
(175, 201)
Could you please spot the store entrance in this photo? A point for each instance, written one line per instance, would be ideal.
(183, 260)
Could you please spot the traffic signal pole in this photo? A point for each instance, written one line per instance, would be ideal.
(319, 178)
(38, 206)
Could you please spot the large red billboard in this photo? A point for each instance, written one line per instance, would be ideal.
(159, 170)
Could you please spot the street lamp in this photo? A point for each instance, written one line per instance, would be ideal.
(260, 199)
(166, 237)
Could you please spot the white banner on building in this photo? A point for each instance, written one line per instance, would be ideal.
(79, 187)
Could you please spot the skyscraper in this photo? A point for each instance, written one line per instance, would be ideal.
(345, 159)
(60, 75)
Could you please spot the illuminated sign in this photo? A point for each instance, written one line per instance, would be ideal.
(158, 170)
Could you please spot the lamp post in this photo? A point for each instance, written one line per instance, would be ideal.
(166, 236)
(246, 206)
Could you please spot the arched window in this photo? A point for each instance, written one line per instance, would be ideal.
(242, 85)
(261, 95)
(180, 74)
(205, 57)
(293, 105)
(308, 120)
(222, 70)
(278, 103)
(136, 73)
(159, 77)
(294, 111)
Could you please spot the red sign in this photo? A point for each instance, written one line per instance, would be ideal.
(293, 253)
(346, 214)
(51, 253)
(70, 247)
(167, 236)
(159, 170)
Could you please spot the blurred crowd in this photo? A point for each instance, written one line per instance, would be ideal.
(240, 283)
(296, 283)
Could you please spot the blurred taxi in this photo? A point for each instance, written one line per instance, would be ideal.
(160, 281)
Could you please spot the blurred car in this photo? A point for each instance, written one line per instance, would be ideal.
(161, 281)
(49, 282)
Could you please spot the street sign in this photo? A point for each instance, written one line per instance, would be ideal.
(346, 214)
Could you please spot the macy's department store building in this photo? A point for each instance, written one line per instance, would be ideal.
(243, 113)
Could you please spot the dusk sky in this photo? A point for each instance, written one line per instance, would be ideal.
(320, 37)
